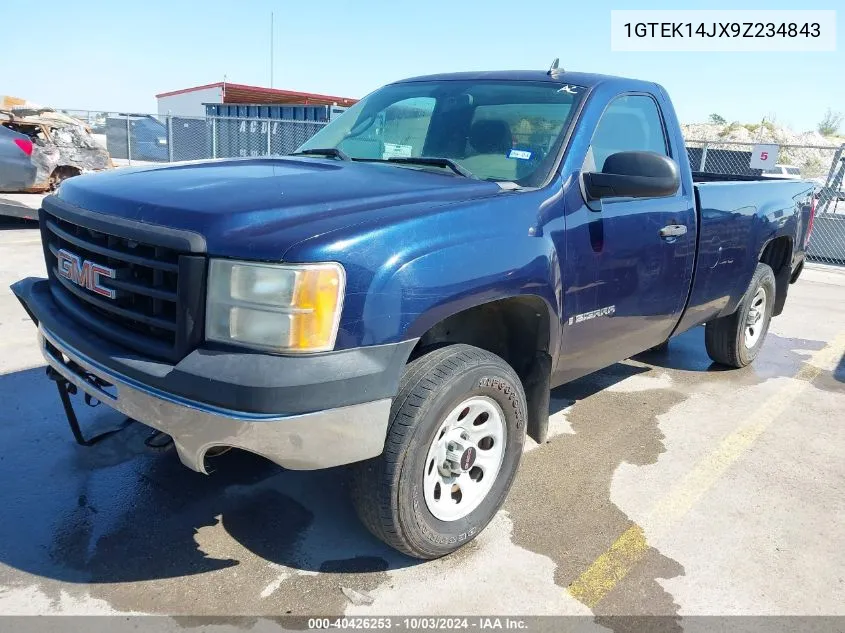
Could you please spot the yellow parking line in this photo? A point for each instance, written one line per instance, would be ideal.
(613, 565)
(609, 568)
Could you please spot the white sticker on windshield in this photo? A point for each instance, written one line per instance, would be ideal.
(521, 154)
(394, 150)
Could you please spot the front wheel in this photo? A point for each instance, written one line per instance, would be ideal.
(736, 339)
(452, 449)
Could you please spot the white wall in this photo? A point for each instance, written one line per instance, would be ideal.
(189, 103)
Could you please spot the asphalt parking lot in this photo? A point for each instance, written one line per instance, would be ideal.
(669, 487)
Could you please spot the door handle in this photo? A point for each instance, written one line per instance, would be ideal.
(673, 230)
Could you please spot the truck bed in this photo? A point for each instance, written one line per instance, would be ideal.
(737, 217)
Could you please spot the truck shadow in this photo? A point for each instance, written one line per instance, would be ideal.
(121, 512)
(779, 356)
(686, 352)
(11, 223)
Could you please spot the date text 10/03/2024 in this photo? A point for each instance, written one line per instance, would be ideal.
(418, 623)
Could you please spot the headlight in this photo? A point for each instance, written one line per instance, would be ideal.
(278, 307)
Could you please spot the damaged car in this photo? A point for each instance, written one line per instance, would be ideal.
(62, 146)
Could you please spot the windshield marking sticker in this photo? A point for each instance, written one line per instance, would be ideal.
(521, 154)
(572, 90)
(395, 150)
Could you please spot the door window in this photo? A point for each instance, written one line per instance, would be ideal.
(630, 123)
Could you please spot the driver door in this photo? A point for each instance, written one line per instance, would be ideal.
(626, 282)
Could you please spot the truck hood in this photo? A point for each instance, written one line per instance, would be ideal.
(259, 207)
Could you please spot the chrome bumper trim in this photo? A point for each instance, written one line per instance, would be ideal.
(309, 441)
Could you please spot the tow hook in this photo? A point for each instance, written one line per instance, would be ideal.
(66, 389)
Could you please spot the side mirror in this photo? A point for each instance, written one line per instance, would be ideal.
(633, 175)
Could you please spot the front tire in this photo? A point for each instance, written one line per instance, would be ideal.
(453, 446)
(736, 339)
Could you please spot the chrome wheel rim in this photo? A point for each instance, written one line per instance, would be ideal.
(755, 321)
(464, 459)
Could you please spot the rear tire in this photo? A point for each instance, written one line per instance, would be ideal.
(736, 339)
(470, 401)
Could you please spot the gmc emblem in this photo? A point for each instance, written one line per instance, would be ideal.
(85, 273)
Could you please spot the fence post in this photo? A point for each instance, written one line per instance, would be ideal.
(128, 141)
(831, 184)
(169, 139)
(214, 137)
(269, 123)
(703, 158)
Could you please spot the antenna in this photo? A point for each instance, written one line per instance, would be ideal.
(554, 67)
(271, 49)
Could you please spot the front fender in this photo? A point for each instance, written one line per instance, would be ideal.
(408, 269)
(409, 300)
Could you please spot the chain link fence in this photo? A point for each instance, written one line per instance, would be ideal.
(824, 165)
(133, 138)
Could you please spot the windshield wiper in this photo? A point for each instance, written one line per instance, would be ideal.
(434, 162)
(448, 163)
(331, 152)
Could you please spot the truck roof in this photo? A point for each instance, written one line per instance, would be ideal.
(587, 80)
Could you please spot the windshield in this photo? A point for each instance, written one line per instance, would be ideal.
(497, 130)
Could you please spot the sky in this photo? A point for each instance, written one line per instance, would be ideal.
(106, 55)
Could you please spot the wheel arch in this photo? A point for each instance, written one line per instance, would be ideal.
(777, 254)
(505, 327)
(523, 330)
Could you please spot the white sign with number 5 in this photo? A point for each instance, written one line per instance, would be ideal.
(764, 156)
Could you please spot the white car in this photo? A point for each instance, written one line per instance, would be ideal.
(789, 172)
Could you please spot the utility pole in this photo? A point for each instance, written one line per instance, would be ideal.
(271, 49)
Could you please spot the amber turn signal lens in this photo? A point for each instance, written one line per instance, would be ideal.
(316, 300)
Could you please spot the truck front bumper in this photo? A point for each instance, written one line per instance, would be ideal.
(297, 439)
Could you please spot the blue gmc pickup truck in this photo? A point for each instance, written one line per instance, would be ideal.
(402, 293)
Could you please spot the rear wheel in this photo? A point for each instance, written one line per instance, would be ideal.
(452, 449)
(736, 339)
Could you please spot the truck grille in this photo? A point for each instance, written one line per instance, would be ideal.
(158, 291)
